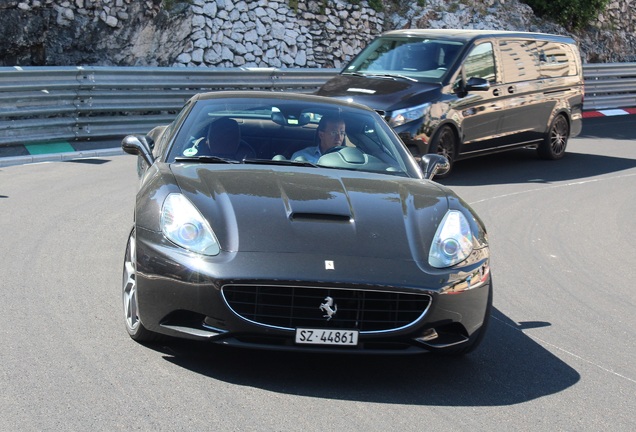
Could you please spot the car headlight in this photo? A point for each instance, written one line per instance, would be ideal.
(406, 115)
(453, 241)
(184, 225)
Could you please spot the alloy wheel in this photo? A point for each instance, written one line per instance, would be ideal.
(559, 135)
(444, 145)
(129, 290)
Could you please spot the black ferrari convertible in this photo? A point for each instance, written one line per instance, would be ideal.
(297, 222)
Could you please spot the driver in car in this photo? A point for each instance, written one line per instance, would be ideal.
(331, 133)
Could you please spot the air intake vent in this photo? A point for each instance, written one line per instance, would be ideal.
(319, 217)
(291, 307)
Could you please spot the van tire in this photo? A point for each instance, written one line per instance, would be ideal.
(445, 143)
(553, 145)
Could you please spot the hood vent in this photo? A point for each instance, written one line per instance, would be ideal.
(319, 217)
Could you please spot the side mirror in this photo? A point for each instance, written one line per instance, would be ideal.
(139, 145)
(477, 84)
(434, 164)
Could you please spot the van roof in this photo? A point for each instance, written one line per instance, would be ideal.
(468, 35)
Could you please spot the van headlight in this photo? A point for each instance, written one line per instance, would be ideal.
(406, 115)
(453, 241)
(184, 225)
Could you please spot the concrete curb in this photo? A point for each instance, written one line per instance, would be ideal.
(609, 112)
(59, 157)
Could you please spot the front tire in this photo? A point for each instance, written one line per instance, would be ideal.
(135, 328)
(556, 140)
(444, 143)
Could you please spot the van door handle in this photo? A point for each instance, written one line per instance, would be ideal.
(511, 89)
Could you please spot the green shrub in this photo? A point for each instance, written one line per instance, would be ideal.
(376, 5)
(572, 14)
(171, 5)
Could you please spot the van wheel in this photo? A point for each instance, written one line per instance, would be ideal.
(555, 141)
(444, 143)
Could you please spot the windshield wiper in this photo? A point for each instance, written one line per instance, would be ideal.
(354, 74)
(206, 159)
(283, 162)
(392, 76)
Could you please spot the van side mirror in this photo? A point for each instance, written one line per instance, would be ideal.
(477, 84)
(139, 145)
(434, 164)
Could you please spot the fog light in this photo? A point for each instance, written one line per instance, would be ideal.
(428, 335)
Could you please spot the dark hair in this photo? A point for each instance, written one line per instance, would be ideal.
(329, 118)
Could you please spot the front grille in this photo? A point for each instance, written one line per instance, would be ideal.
(291, 307)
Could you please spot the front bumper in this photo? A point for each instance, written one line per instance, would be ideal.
(257, 300)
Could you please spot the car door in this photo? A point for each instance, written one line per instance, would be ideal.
(479, 112)
(527, 109)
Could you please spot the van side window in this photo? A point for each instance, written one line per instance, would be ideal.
(555, 59)
(519, 60)
(480, 63)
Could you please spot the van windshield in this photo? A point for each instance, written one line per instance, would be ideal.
(420, 59)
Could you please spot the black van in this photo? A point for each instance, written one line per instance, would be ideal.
(465, 93)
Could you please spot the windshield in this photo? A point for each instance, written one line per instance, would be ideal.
(287, 131)
(422, 59)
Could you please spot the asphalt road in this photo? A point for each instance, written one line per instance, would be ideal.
(559, 354)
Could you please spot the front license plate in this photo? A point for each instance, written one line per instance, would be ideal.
(327, 337)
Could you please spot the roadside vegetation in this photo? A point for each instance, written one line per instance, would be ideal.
(571, 14)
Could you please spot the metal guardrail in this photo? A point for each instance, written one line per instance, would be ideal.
(609, 85)
(48, 104)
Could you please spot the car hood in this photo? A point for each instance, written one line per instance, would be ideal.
(315, 210)
(381, 93)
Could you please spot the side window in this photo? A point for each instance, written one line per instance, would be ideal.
(480, 63)
(519, 60)
(555, 59)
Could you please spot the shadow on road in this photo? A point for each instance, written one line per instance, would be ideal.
(508, 368)
(89, 161)
(618, 127)
(524, 166)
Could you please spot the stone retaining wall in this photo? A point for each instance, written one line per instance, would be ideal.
(271, 34)
(262, 33)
